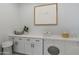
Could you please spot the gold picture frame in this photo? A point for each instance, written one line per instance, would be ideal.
(46, 14)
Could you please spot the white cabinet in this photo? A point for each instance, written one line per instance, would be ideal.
(36, 45)
(33, 46)
(19, 45)
(25, 45)
(28, 49)
(71, 48)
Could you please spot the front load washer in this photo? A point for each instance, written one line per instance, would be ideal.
(61, 47)
(53, 47)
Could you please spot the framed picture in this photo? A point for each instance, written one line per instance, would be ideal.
(46, 14)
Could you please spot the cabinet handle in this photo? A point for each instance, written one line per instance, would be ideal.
(16, 43)
(37, 40)
(20, 39)
(12, 37)
(32, 45)
(28, 39)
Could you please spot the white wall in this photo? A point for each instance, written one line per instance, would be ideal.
(18, 15)
(8, 19)
(68, 19)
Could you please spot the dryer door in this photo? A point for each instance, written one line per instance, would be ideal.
(53, 50)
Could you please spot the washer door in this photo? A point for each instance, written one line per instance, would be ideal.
(53, 50)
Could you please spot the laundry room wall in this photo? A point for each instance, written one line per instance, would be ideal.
(68, 19)
(8, 19)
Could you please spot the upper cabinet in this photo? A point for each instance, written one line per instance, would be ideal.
(46, 14)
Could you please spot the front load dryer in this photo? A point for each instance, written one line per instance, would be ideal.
(61, 47)
(53, 47)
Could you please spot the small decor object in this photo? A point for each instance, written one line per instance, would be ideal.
(65, 34)
(25, 29)
(46, 14)
(18, 33)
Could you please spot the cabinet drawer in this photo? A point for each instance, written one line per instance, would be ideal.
(27, 39)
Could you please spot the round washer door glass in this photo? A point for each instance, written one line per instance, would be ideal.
(53, 50)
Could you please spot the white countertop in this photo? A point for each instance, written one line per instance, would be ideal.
(56, 37)
(28, 35)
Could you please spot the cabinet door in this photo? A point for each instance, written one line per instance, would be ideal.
(36, 45)
(19, 45)
(28, 49)
(71, 48)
